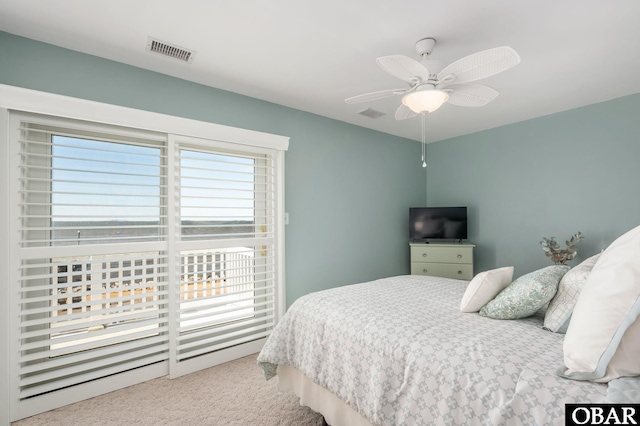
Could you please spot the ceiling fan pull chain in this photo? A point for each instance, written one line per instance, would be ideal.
(423, 116)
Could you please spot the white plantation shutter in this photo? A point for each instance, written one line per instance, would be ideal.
(81, 330)
(91, 305)
(138, 253)
(74, 180)
(239, 307)
(226, 241)
(226, 194)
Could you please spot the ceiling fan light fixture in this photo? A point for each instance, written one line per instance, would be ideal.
(425, 100)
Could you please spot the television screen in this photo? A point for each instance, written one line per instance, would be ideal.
(438, 223)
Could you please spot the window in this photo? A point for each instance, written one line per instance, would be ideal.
(104, 192)
(139, 252)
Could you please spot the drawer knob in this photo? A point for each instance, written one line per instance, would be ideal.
(459, 272)
(459, 256)
(424, 254)
(425, 270)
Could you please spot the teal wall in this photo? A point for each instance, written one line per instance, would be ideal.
(347, 189)
(556, 175)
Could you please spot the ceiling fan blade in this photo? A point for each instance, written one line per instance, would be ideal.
(403, 67)
(403, 112)
(470, 94)
(374, 95)
(480, 65)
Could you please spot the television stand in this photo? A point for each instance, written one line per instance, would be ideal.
(454, 260)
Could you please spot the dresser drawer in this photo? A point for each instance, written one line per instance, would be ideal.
(437, 254)
(459, 271)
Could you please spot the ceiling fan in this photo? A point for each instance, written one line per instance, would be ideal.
(431, 84)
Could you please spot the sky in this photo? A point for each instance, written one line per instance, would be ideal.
(94, 180)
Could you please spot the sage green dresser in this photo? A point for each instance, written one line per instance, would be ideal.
(442, 260)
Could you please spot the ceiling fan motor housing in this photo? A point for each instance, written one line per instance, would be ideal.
(425, 46)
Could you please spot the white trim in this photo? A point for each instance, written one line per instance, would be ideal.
(27, 100)
(5, 274)
(13, 239)
(173, 252)
(281, 305)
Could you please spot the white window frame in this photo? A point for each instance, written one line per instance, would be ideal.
(25, 100)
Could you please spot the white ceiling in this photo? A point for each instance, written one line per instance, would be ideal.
(311, 55)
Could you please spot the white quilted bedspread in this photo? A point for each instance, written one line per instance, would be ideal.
(399, 352)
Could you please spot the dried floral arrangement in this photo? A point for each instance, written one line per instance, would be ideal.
(561, 256)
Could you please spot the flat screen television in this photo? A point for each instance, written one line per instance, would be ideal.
(437, 223)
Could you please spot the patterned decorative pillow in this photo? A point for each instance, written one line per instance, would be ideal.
(484, 287)
(558, 313)
(526, 295)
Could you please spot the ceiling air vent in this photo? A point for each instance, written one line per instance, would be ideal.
(170, 50)
(371, 113)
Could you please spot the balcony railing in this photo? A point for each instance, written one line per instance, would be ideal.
(204, 273)
(99, 292)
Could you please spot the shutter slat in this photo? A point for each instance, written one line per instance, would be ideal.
(61, 361)
(219, 327)
(235, 303)
(27, 392)
(202, 319)
(100, 337)
(84, 367)
(255, 335)
(99, 318)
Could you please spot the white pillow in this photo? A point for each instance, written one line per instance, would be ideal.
(484, 287)
(558, 313)
(603, 316)
(625, 361)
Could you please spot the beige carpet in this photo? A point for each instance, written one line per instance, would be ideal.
(234, 393)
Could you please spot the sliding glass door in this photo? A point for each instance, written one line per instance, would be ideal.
(137, 252)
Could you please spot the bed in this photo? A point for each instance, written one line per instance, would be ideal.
(419, 350)
(398, 351)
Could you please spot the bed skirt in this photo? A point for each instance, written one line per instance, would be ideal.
(320, 400)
